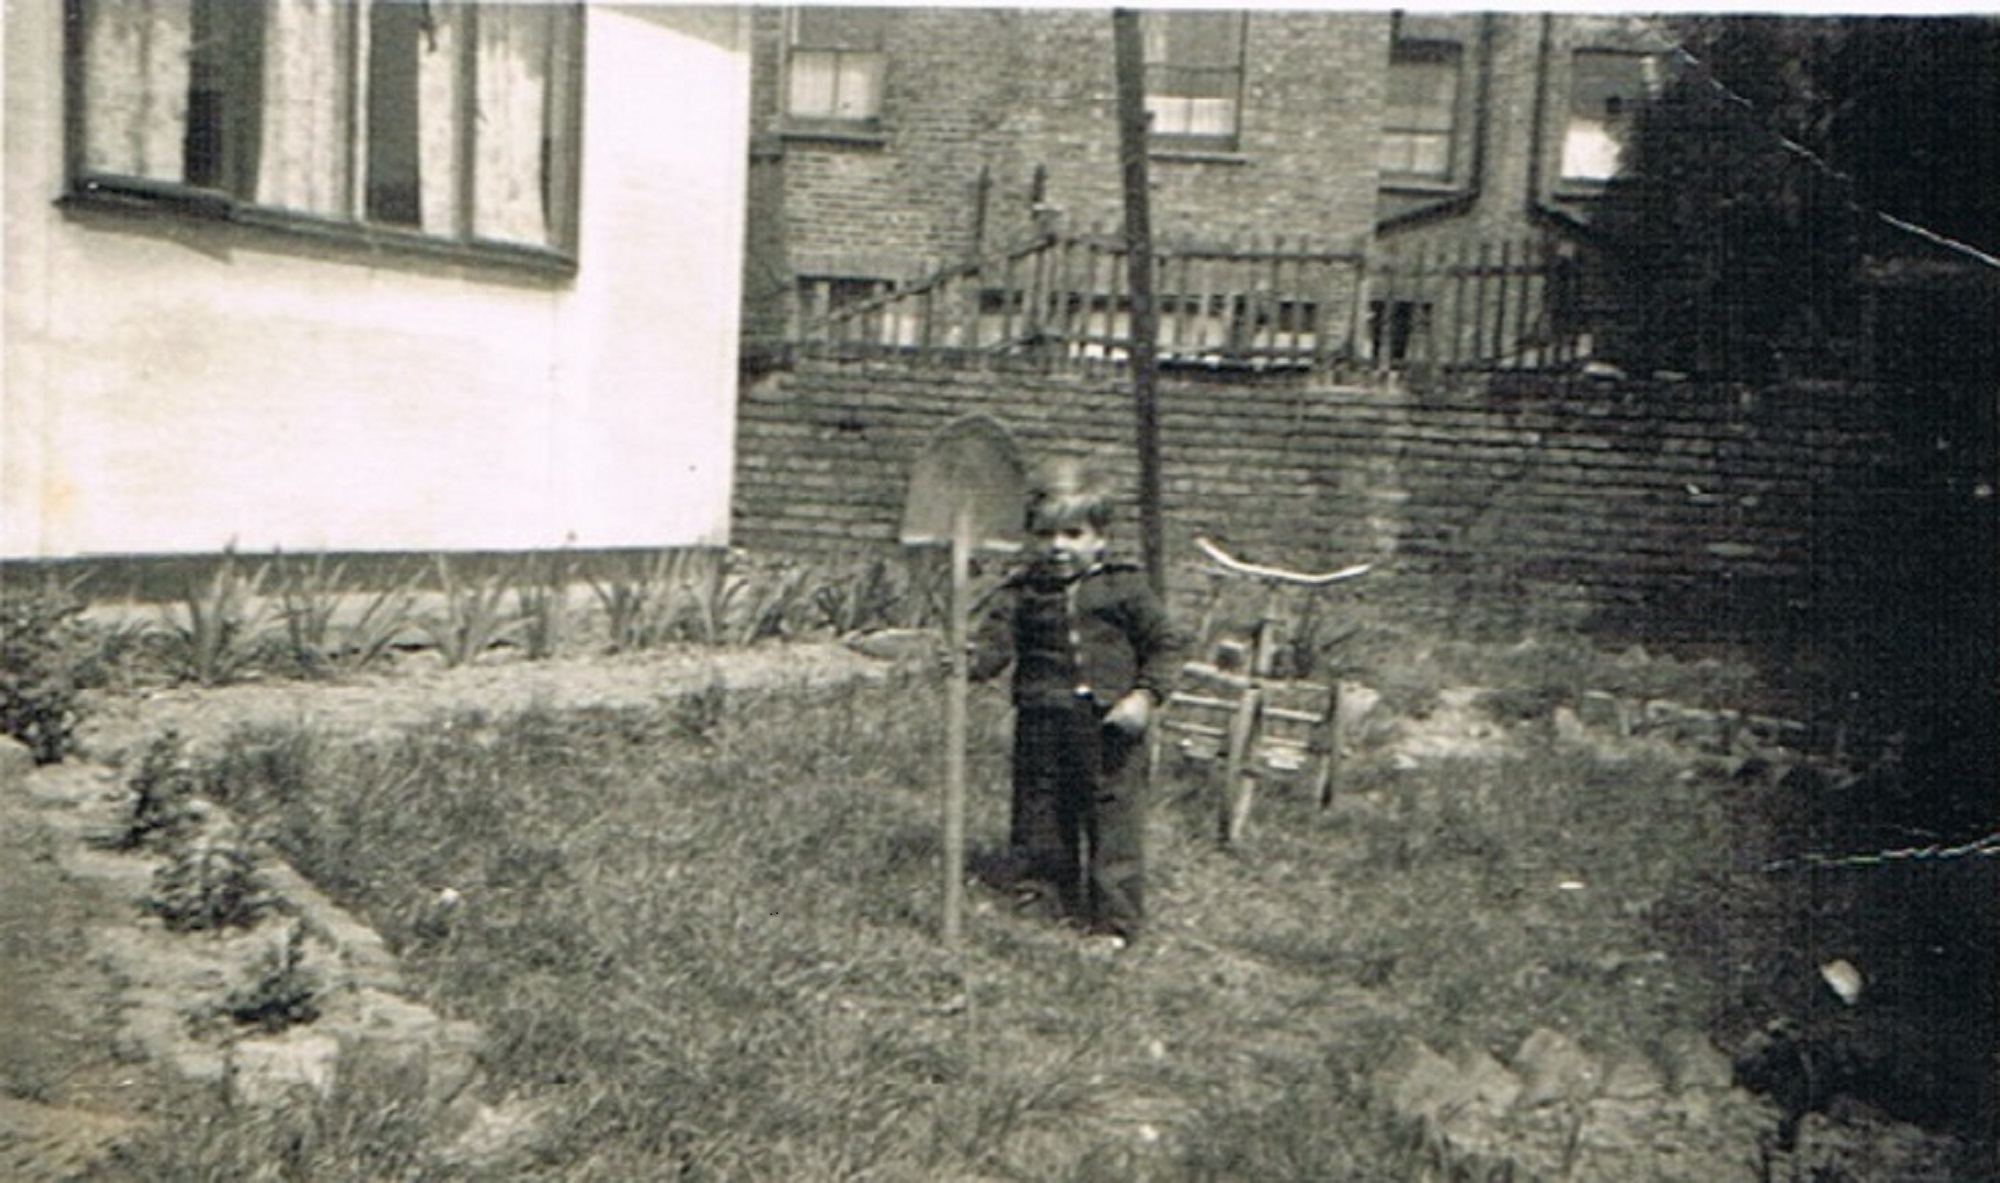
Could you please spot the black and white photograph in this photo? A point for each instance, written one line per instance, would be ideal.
(601, 591)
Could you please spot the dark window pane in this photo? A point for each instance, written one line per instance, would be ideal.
(394, 184)
(219, 146)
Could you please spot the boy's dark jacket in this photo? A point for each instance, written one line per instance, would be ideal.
(1100, 634)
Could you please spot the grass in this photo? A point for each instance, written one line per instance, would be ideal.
(703, 942)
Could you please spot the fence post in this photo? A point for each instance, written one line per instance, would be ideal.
(1133, 130)
(969, 301)
(1322, 314)
(1523, 321)
(1364, 278)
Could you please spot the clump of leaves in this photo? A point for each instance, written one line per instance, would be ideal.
(220, 629)
(635, 600)
(311, 599)
(774, 599)
(308, 598)
(475, 616)
(704, 591)
(881, 593)
(700, 714)
(383, 618)
(636, 604)
(210, 882)
(282, 993)
(858, 597)
(42, 644)
(163, 790)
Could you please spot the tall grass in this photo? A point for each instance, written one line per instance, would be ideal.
(706, 946)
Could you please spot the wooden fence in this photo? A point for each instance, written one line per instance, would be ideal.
(1274, 305)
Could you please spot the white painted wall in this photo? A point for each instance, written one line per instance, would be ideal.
(176, 387)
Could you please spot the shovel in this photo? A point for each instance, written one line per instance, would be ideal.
(966, 491)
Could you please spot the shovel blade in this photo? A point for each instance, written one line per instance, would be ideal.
(970, 463)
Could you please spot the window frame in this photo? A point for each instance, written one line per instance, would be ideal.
(1583, 184)
(1172, 142)
(868, 125)
(1428, 51)
(93, 190)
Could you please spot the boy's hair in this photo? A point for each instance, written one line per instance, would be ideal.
(1068, 491)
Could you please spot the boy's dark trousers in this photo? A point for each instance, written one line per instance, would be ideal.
(1080, 812)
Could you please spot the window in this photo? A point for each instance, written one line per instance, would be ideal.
(1606, 88)
(1194, 77)
(450, 126)
(834, 74)
(1420, 123)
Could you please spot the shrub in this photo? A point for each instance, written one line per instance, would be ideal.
(282, 993)
(208, 883)
(42, 645)
(163, 789)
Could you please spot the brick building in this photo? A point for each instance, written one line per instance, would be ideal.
(888, 143)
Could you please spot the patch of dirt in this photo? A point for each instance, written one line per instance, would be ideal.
(416, 687)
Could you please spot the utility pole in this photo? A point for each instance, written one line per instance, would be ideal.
(1144, 317)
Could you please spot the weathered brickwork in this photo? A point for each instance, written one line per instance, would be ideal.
(997, 121)
(980, 103)
(1636, 509)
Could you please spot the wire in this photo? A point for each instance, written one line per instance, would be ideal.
(1986, 847)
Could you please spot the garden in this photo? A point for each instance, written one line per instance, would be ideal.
(664, 833)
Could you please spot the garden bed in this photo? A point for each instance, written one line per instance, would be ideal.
(693, 910)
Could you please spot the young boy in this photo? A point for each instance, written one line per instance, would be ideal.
(1091, 649)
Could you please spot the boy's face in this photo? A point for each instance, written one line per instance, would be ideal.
(1071, 546)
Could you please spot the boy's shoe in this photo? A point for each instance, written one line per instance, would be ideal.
(1035, 898)
(1108, 938)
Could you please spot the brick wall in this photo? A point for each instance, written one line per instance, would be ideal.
(1659, 512)
(1010, 93)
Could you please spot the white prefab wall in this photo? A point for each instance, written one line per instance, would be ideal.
(179, 387)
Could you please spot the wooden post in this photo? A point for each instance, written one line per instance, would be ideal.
(1132, 129)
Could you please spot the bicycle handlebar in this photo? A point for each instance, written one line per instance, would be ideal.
(1229, 562)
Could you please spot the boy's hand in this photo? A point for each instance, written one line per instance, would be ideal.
(1132, 713)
